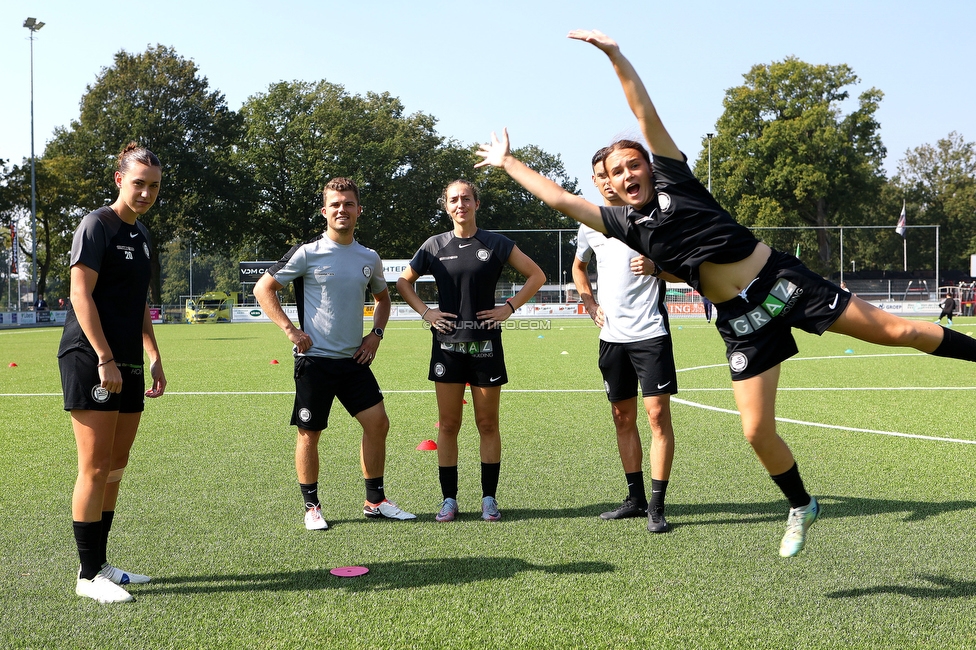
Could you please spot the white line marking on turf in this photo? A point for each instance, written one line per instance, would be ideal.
(830, 426)
(675, 399)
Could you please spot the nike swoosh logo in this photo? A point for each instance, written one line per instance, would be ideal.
(133, 235)
(660, 386)
(834, 304)
(494, 379)
(642, 220)
(464, 245)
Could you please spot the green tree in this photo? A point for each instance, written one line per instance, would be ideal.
(784, 155)
(56, 218)
(507, 205)
(211, 272)
(158, 99)
(939, 185)
(298, 135)
(7, 216)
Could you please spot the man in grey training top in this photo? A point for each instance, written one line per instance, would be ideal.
(332, 357)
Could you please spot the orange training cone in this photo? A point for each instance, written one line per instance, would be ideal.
(274, 362)
(427, 445)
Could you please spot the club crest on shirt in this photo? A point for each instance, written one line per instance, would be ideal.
(484, 254)
(367, 271)
(145, 249)
(100, 394)
(664, 201)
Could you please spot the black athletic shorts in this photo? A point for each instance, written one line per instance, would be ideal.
(785, 294)
(650, 362)
(479, 363)
(83, 390)
(318, 381)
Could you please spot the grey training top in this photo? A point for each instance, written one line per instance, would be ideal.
(330, 288)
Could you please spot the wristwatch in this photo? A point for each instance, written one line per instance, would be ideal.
(378, 331)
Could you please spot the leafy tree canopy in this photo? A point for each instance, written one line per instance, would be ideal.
(938, 184)
(785, 155)
(158, 99)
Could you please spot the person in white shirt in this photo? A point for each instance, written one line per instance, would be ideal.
(635, 346)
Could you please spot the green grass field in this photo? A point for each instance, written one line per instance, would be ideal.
(210, 507)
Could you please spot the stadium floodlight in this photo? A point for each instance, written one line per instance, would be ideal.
(33, 25)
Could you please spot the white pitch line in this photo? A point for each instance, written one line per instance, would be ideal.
(675, 399)
(831, 426)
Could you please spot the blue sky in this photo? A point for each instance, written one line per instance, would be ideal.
(479, 66)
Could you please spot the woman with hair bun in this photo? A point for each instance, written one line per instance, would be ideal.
(101, 362)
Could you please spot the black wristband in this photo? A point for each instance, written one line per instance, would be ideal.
(510, 305)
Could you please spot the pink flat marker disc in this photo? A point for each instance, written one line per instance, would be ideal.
(349, 571)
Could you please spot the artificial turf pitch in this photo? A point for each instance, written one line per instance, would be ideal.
(210, 507)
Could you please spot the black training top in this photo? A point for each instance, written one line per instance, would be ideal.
(466, 272)
(682, 226)
(119, 253)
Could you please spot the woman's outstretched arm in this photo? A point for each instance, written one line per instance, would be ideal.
(658, 138)
(498, 154)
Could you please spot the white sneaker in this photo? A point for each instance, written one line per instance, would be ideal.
(314, 519)
(120, 577)
(102, 589)
(799, 520)
(386, 509)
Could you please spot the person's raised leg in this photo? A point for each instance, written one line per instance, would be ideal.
(866, 322)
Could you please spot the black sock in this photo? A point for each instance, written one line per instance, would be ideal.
(88, 537)
(489, 478)
(956, 346)
(449, 481)
(635, 488)
(658, 490)
(310, 494)
(374, 490)
(792, 486)
(107, 517)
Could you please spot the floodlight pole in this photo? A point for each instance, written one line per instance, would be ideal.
(33, 25)
(709, 136)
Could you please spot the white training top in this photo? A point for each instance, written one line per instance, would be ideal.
(632, 304)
